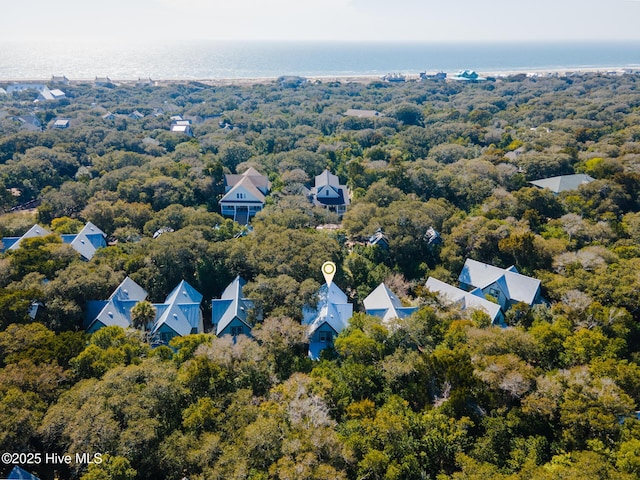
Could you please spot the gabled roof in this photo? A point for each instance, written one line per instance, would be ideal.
(328, 191)
(246, 186)
(129, 290)
(184, 293)
(180, 311)
(465, 300)
(333, 309)
(231, 305)
(117, 311)
(260, 181)
(33, 232)
(516, 287)
(19, 474)
(90, 228)
(378, 238)
(327, 178)
(383, 303)
(174, 318)
(84, 246)
(87, 241)
(563, 183)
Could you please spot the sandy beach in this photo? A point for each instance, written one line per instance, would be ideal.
(246, 81)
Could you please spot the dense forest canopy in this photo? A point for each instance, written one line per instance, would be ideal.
(439, 394)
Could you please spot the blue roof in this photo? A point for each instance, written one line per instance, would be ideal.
(516, 287)
(473, 300)
(117, 310)
(383, 303)
(231, 305)
(85, 243)
(333, 309)
(19, 474)
(180, 312)
(184, 293)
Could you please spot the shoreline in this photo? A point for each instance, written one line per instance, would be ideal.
(351, 78)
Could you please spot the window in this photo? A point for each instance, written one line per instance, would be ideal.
(326, 337)
(235, 331)
(241, 195)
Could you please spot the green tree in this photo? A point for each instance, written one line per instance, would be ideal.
(142, 314)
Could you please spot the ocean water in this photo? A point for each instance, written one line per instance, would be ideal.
(206, 60)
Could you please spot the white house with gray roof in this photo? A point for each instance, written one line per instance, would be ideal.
(507, 286)
(385, 304)
(328, 193)
(245, 195)
(474, 300)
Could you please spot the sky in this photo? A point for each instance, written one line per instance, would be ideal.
(322, 20)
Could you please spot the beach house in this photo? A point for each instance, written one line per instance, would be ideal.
(330, 316)
(245, 195)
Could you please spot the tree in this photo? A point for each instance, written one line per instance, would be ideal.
(142, 314)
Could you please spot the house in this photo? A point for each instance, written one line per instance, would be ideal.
(136, 115)
(291, 81)
(116, 311)
(20, 474)
(328, 193)
(474, 300)
(394, 78)
(179, 315)
(108, 116)
(379, 239)
(46, 94)
(468, 76)
(144, 82)
(383, 303)
(22, 87)
(432, 237)
(245, 195)
(230, 313)
(61, 123)
(85, 243)
(507, 286)
(328, 319)
(103, 82)
(184, 129)
(13, 243)
(29, 122)
(433, 76)
(61, 80)
(562, 183)
(355, 112)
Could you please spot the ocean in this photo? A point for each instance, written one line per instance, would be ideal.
(180, 60)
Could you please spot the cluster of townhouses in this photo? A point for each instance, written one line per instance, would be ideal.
(234, 314)
(481, 286)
